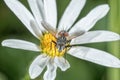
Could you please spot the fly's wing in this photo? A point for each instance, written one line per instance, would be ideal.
(49, 28)
(75, 34)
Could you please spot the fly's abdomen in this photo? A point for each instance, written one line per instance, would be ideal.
(61, 42)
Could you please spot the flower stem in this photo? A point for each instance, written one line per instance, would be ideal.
(114, 47)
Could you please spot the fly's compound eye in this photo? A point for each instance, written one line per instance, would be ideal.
(66, 34)
(63, 33)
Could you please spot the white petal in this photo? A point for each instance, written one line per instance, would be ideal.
(21, 12)
(20, 44)
(38, 14)
(71, 13)
(36, 28)
(96, 36)
(90, 20)
(62, 63)
(50, 74)
(40, 5)
(38, 65)
(51, 12)
(95, 56)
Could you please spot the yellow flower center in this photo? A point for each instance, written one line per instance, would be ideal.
(48, 45)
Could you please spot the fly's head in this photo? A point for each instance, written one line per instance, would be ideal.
(63, 33)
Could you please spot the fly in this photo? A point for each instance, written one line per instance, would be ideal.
(62, 37)
(62, 40)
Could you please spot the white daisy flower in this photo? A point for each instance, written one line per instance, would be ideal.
(56, 41)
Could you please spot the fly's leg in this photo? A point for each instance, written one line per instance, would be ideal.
(65, 54)
(51, 44)
(54, 42)
(66, 48)
(54, 46)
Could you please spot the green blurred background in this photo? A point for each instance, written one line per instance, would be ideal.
(14, 63)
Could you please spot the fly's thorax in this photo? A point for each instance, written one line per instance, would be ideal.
(61, 43)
